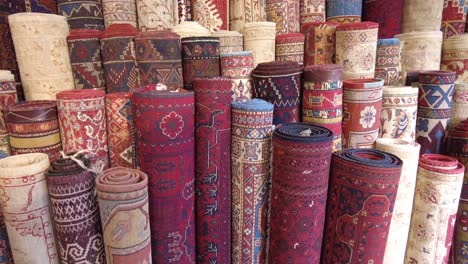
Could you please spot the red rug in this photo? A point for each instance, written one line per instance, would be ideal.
(387, 13)
(454, 17)
(7, 53)
(319, 45)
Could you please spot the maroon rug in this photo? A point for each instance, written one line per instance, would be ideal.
(387, 13)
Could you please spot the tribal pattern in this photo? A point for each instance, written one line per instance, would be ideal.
(238, 66)
(312, 11)
(82, 14)
(157, 14)
(387, 64)
(286, 15)
(454, 17)
(245, 11)
(455, 56)
(319, 46)
(290, 47)
(212, 14)
(119, 12)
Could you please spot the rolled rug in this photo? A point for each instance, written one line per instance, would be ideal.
(362, 192)
(422, 15)
(238, 66)
(362, 105)
(164, 123)
(82, 119)
(438, 187)
(299, 184)
(159, 58)
(454, 17)
(387, 14)
(8, 97)
(26, 209)
(190, 29)
(41, 6)
(200, 58)
(246, 11)
(120, 129)
(229, 41)
(312, 11)
(399, 113)
(387, 63)
(75, 211)
(119, 12)
(279, 83)
(285, 14)
(123, 202)
(7, 53)
(157, 15)
(408, 152)
(290, 47)
(259, 37)
(319, 45)
(356, 48)
(119, 58)
(34, 128)
(344, 11)
(6, 255)
(212, 14)
(455, 56)
(42, 54)
(251, 177)
(322, 99)
(82, 14)
(460, 104)
(185, 10)
(85, 58)
(436, 89)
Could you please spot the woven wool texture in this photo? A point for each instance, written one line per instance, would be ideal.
(184, 10)
(259, 37)
(362, 192)
(290, 47)
(279, 83)
(312, 11)
(119, 58)
(75, 212)
(238, 66)
(399, 113)
(454, 17)
(85, 58)
(123, 192)
(212, 14)
(245, 11)
(8, 97)
(387, 63)
(301, 153)
(120, 129)
(362, 105)
(82, 14)
(200, 58)
(7, 52)
(387, 14)
(408, 152)
(190, 29)
(286, 15)
(25, 208)
(460, 104)
(322, 99)
(422, 15)
(251, 148)
(438, 187)
(119, 12)
(455, 56)
(34, 128)
(157, 15)
(42, 53)
(82, 120)
(41, 6)
(229, 41)
(6, 256)
(164, 123)
(344, 11)
(159, 58)
(436, 91)
(319, 47)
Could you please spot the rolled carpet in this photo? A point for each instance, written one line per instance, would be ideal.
(75, 211)
(438, 187)
(164, 123)
(387, 14)
(279, 83)
(8, 97)
(322, 99)
(246, 11)
(408, 152)
(319, 47)
(6, 256)
(344, 11)
(229, 41)
(422, 15)
(259, 37)
(312, 11)
(387, 63)
(286, 15)
(362, 105)
(454, 17)
(7, 53)
(184, 10)
(82, 14)
(213, 98)
(119, 12)
(123, 201)
(212, 14)
(436, 91)
(299, 184)
(290, 47)
(460, 104)
(157, 15)
(40, 6)
(26, 209)
(455, 56)
(238, 66)
(362, 192)
(251, 177)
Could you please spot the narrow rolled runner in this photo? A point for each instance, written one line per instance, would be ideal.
(387, 14)
(157, 15)
(408, 152)
(42, 54)
(290, 47)
(8, 97)
(436, 91)
(387, 63)
(190, 29)
(41, 6)
(356, 48)
(279, 83)
(34, 128)
(438, 187)
(7, 53)
(460, 104)
(454, 17)
(229, 41)
(75, 211)
(246, 11)
(399, 113)
(164, 123)
(119, 58)
(362, 192)
(362, 105)
(422, 15)
(344, 11)
(82, 14)
(319, 47)
(120, 129)
(212, 14)
(322, 99)
(119, 12)
(123, 196)
(259, 37)
(159, 58)
(85, 58)
(299, 185)
(185, 10)
(455, 56)
(82, 119)
(251, 176)
(25, 208)
(286, 15)
(312, 11)
(200, 58)
(238, 66)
